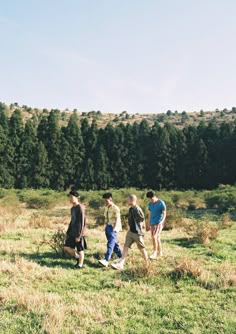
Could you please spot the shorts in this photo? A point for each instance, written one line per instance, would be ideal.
(80, 246)
(134, 238)
(156, 230)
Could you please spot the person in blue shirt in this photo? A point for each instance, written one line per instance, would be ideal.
(156, 218)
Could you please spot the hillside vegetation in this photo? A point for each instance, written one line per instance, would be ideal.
(178, 118)
(46, 151)
(190, 290)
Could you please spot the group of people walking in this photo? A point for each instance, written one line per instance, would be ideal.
(75, 242)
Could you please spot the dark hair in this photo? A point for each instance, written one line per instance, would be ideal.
(74, 193)
(150, 194)
(107, 195)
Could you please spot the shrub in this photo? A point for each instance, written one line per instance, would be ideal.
(201, 231)
(44, 202)
(223, 201)
(95, 204)
(186, 267)
(56, 242)
(176, 198)
(37, 220)
(226, 221)
(191, 205)
(174, 219)
(206, 233)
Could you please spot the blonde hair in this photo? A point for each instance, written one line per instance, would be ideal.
(132, 197)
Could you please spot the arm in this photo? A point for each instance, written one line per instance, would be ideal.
(149, 219)
(80, 223)
(164, 216)
(118, 220)
(163, 213)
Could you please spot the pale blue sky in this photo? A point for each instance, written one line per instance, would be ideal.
(114, 55)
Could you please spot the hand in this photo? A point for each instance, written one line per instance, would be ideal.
(77, 239)
(143, 227)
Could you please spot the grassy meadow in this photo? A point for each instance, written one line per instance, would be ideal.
(190, 290)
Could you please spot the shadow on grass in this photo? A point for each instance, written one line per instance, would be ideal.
(183, 242)
(51, 260)
(48, 259)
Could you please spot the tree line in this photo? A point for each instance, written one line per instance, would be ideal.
(42, 153)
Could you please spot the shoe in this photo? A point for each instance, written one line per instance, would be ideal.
(77, 266)
(118, 265)
(117, 260)
(104, 262)
(153, 256)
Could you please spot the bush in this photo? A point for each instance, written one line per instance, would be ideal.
(95, 204)
(186, 267)
(41, 203)
(222, 201)
(206, 233)
(201, 231)
(191, 205)
(226, 221)
(56, 242)
(37, 220)
(174, 219)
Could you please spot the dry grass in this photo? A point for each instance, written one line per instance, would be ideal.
(9, 216)
(201, 231)
(48, 304)
(222, 276)
(26, 270)
(226, 221)
(37, 220)
(187, 267)
(206, 233)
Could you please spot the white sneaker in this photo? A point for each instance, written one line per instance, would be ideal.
(117, 260)
(104, 262)
(153, 256)
(118, 265)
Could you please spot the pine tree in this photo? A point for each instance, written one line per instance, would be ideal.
(26, 156)
(40, 175)
(102, 176)
(76, 150)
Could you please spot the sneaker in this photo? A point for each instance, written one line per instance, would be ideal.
(117, 260)
(118, 265)
(104, 262)
(153, 256)
(77, 266)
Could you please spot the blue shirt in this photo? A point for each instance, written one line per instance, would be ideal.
(156, 209)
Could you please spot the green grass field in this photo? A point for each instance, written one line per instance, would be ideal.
(190, 290)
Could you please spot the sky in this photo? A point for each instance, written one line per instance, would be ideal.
(139, 56)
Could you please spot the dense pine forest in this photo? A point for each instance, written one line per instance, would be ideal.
(44, 152)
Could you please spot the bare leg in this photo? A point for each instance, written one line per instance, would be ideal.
(154, 242)
(159, 246)
(70, 251)
(144, 253)
(81, 258)
(124, 254)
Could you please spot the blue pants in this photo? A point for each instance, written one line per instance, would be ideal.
(112, 243)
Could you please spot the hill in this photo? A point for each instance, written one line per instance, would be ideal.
(179, 119)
